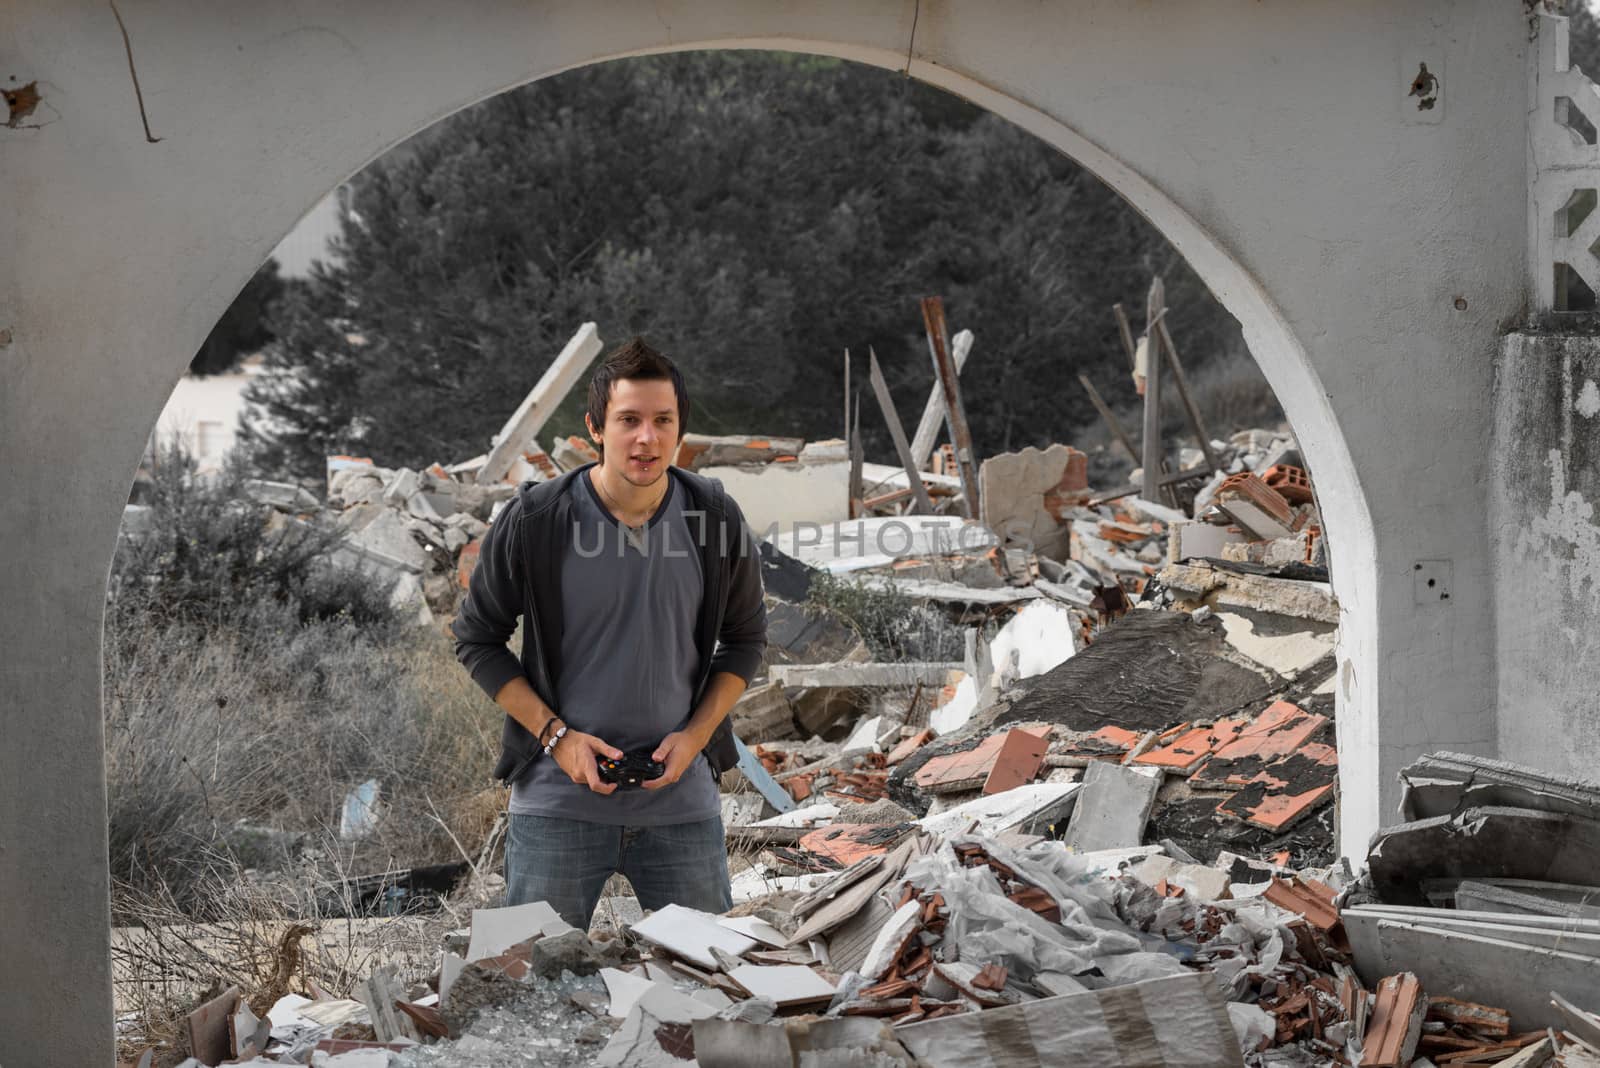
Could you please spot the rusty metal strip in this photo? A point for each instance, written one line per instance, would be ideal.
(955, 412)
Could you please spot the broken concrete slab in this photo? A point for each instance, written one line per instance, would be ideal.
(783, 984)
(780, 496)
(1551, 932)
(1494, 841)
(1190, 540)
(1112, 807)
(496, 930)
(386, 540)
(401, 487)
(1219, 587)
(284, 496)
(1442, 783)
(1025, 495)
(1176, 1022)
(1505, 972)
(691, 934)
(1197, 880)
(656, 1031)
(1041, 635)
(1531, 897)
(763, 713)
(540, 403)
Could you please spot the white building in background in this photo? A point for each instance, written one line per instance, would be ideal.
(203, 412)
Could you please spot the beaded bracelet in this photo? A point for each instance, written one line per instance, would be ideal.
(547, 725)
(554, 740)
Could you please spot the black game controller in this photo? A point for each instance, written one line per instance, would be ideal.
(632, 771)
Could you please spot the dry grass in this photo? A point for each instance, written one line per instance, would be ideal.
(248, 688)
(242, 740)
(224, 814)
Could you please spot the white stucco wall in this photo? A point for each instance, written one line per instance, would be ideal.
(1274, 144)
(1545, 485)
(203, 413)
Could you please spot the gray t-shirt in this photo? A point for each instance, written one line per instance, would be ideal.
(630, 599)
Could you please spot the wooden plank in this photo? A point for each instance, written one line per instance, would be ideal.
(955, 411)
(540, 403)
(1180, 380)
(1171, 479)
(927, 434)
(1152, 452)
(901, 447)
(1110, 417)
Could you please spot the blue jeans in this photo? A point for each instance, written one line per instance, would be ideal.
(567, 862)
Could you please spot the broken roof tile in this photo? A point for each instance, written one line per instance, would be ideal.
(1286, 790)
(1277, 732)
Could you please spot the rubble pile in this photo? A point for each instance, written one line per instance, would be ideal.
(1100, 832)
(964, 945)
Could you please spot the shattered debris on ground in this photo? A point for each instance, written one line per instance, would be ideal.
(1090, 818)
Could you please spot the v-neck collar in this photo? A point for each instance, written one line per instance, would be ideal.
(587, 478)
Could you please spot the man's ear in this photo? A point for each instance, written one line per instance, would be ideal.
(588, 423)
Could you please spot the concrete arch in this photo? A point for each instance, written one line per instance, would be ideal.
(1273, 145)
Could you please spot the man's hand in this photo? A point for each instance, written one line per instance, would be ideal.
(676, 752)
(576, 754)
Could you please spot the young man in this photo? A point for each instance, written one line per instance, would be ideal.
(639, 589)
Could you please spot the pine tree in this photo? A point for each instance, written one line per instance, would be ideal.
(752, 214)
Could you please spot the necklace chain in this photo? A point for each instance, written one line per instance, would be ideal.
(612, 502)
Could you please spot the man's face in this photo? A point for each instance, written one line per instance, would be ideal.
(641, 432)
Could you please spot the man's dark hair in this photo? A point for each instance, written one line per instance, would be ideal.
(635, 360)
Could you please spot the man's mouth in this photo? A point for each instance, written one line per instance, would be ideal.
(644, 461)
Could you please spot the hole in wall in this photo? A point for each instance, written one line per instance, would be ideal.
(1572, 117)
(1573, 213)
(1572, 292)
(1425, 87)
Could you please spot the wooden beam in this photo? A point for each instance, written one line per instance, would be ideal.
(1162, 482)
(540, 403)
(1181, 380)
(1110, 417)
(898, 433)
(955, 412)
(927, 435)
